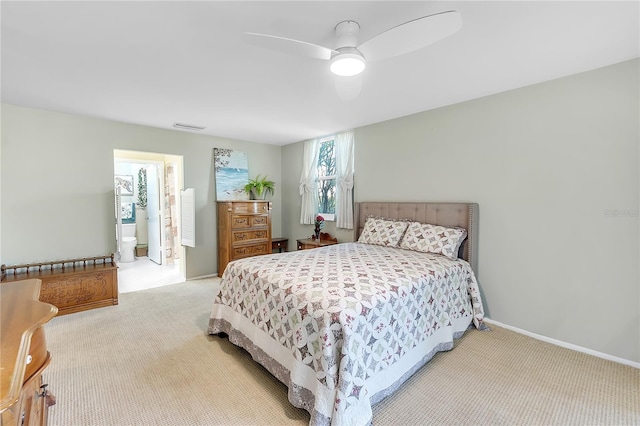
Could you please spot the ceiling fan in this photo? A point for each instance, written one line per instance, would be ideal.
(349, 58)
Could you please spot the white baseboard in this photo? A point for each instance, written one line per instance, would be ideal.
(565, 344)
(203, 277)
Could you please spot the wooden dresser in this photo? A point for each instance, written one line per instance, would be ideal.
(244, 230)
(24, 398)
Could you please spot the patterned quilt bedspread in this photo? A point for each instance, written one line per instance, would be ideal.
(345, 325)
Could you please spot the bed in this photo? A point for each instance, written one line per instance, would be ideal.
(343, 326)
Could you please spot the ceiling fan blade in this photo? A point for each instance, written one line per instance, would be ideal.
(288, 45)
(411, 35)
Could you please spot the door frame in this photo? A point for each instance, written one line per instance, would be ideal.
(160, 170)
(160, 159)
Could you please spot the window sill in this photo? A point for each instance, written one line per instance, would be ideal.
(328, 217)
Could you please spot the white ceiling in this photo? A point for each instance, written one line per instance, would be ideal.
(156, 63)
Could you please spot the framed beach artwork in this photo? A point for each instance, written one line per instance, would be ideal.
(126, 183)
(232, 174)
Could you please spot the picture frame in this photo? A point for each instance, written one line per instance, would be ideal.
(125, 182)
(128, 212)
(231, 173)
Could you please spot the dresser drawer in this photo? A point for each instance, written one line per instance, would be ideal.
(249, 207)
(249, 221)
(249, 235)
(248, 251)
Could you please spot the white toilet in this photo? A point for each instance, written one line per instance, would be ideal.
(128, 243)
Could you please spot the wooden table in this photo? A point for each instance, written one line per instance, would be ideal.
(24, 398)
(279, 244)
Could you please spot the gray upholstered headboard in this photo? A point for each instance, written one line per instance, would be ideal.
(464, 215)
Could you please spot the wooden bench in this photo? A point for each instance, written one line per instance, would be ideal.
(71, 285)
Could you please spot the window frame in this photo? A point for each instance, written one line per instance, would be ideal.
(330, 217)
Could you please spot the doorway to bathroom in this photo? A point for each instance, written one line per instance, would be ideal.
(149, 253)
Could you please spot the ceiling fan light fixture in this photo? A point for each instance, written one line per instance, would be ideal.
(347, 62)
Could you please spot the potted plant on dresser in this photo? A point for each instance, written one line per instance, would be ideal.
(258, 188)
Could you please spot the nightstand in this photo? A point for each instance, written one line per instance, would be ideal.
(279, 244)
(311, 243)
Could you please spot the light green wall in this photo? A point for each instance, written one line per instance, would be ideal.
(57, 184)
(547, 164)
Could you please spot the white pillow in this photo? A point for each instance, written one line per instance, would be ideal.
(383, 232)
(429, 238)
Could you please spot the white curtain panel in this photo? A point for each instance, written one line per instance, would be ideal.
(344, 179)
(308, 186)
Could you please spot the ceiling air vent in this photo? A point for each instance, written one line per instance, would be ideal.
(187, 127)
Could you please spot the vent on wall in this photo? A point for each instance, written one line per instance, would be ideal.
(187, 127)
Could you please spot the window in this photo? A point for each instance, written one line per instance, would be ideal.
(327, 179)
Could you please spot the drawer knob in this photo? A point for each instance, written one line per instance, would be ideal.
(29, 359)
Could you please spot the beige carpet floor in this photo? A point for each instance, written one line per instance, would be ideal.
(149, 361)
